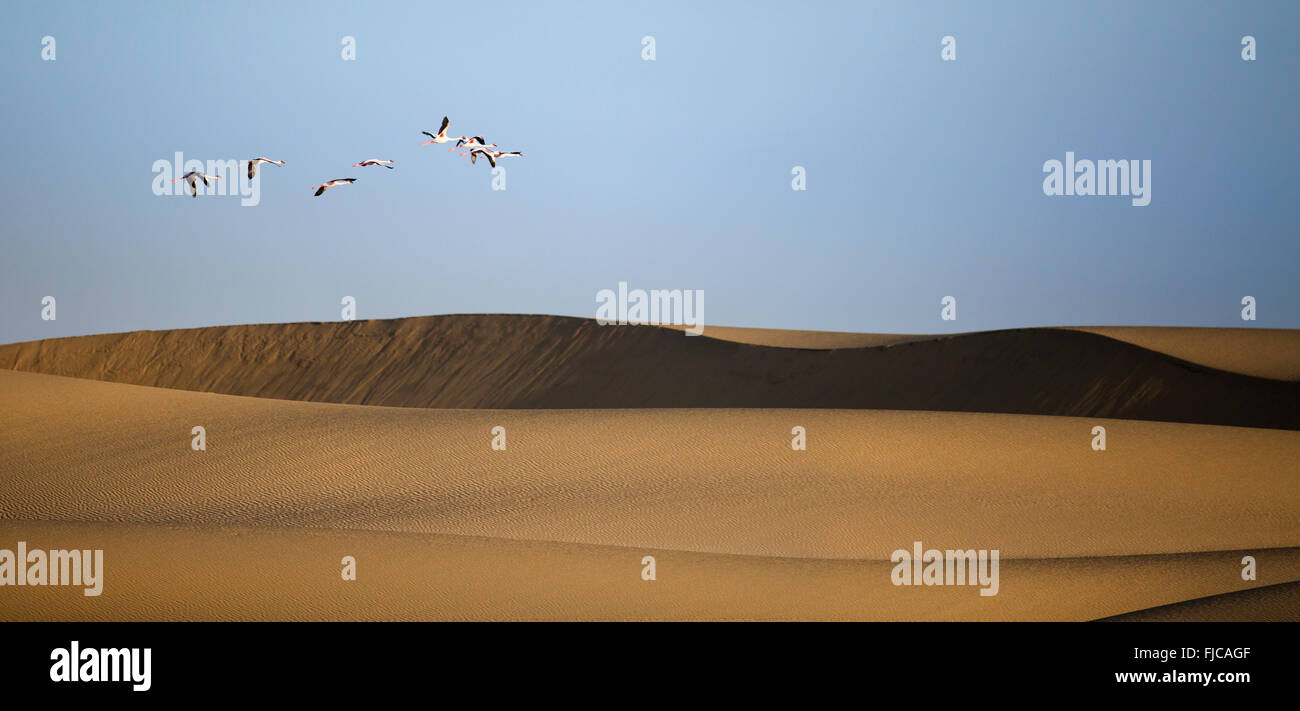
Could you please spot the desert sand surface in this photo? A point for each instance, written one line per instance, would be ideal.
(276, 574)
(555, 527)
(551, 362)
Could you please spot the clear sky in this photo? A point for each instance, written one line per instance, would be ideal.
(924, 177)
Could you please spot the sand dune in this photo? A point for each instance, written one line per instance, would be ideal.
(626, 442)
(220, 573)
(715, 481)
(554, 527)
(529, 362)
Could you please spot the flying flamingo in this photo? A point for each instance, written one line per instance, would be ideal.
(193, 177)
(252, 165)
(442, 136)
(491, 155)
(338, 181)
(372, 161)
(475, 142)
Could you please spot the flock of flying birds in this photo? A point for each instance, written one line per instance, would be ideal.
(474, 146)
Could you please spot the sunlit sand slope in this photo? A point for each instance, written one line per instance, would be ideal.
(700, 480)
(556, 526)
(223, 573)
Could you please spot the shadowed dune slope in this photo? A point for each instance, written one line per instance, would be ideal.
(530, 362)
(1271, 603)
(1259, 352)
(814, 340)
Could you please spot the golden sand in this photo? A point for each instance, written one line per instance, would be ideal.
(555, 527)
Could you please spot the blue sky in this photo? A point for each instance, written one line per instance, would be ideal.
(924, 177)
